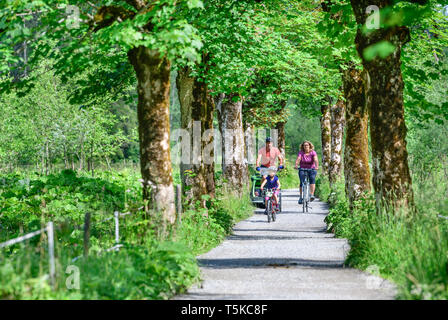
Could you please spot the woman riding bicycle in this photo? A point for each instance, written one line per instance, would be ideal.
(307, 158)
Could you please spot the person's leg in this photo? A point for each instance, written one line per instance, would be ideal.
(276, 198)
(266, 204)
(312, 176)
(302, 178)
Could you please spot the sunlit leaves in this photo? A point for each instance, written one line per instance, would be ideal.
(381, 49)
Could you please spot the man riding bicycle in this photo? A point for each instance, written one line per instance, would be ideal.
(267, 157)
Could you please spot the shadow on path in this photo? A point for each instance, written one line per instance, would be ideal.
(268, 263)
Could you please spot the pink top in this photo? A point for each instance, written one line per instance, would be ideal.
(307, 161)
(268, 158)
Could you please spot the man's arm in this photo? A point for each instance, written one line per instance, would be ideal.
(258, 160)
(280, 158)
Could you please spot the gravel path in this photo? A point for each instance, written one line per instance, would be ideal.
(291, 258)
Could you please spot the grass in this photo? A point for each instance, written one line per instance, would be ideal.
(409, 249)
(148, 267)
(289, 177)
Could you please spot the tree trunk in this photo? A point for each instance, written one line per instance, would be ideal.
(234, 164)
(65, 157)
(208, 145)
(356, 153)
(153, 85)
(281, 137)
(391, 177)
(197, 118)
(325, 125)
(250, 143)
(47, 158)
(337, 133)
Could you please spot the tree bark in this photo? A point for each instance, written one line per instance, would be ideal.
(325, 126)
(337, 112)
(391, 177)
(250, 143)
(197, 118)
(281, 137)
(153, 85)
(234, 164)
(356, 153)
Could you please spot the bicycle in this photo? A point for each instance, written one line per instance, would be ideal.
(306, 190)
(270, 210)
(256, 194)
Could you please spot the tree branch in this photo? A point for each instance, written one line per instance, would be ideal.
(108, 15)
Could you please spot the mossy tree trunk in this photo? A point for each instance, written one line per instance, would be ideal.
(356, 152)
(325, 126)
(234, 163)
(281, 137)
(391, 177)
(197, 118)
(153, 86)
(250, 143)
(337, 112)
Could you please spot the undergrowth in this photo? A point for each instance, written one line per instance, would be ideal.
(149, 266)
(409, 249)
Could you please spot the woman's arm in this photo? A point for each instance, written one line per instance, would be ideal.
(299, 158)
(316, 162)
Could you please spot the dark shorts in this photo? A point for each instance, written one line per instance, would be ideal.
(311, 175)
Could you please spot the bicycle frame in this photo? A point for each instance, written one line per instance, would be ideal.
(306, 190)
(269, 193)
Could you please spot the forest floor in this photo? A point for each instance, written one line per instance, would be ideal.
(291, 258)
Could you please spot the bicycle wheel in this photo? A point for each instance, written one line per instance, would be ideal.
(274, 214)
(305, 193)
(303, 200)
(269, 208)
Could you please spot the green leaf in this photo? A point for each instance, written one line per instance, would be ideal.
(382, 49)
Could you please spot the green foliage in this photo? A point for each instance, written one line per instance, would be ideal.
(301, 127)
(289, 177)
(50, 130)
(381, 49)
(147, 267)
(409, 248)
(203, 229)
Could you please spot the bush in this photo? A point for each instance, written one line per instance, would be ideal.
(148, 267)
(410, 249)
(203, 229)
